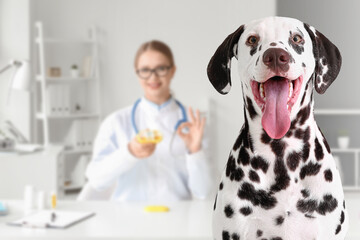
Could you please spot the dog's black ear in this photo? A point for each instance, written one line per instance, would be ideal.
(218, 69)
(327, 59)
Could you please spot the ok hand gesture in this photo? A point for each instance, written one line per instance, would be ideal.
(195, 127)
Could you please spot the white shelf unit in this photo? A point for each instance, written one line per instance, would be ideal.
(337, 111)
(352, 151)
(356, 152)
(63, 128)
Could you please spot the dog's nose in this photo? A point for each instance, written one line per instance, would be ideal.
(276, 59)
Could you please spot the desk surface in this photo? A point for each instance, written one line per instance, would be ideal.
(186, 220)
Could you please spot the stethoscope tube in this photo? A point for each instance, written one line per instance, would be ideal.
(133, 112)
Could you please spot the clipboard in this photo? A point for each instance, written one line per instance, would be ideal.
(47, 219)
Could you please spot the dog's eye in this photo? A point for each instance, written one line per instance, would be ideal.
(252, 40)
(297, 39)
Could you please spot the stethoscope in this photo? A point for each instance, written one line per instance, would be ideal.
(183, 119)
(133, 112)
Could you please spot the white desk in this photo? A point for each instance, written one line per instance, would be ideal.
(185, 220)
(128, 221)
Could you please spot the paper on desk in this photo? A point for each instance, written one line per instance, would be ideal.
(28, 147)
(63, 219)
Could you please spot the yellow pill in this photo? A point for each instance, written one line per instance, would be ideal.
(156, 209)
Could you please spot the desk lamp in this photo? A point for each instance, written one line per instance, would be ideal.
(21, 76)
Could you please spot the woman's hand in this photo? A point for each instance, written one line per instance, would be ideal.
(141, 150)
(195, 132)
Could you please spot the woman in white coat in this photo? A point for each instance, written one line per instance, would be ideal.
(177, 168)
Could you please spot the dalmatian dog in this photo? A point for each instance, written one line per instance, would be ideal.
(280, 181)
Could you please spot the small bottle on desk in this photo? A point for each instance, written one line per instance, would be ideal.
(53, 206)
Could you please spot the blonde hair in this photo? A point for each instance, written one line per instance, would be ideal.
(156, 46)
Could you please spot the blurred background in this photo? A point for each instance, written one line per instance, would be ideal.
(81, 60)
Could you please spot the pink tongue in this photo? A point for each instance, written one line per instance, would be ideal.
(276, 117)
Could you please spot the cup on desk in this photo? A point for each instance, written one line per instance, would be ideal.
(29, 193)
(41, 200)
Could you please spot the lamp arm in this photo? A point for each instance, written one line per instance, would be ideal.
(5, 68)
(10, 90)
(11, 64)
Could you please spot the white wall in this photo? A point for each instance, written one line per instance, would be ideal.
(193, 29)
(14, 44)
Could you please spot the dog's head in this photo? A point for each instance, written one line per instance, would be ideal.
(277, 57)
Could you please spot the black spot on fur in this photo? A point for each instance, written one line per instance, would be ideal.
(319, 153)
(250, 108)
(259, 163)
(310, 169)
(260, 47)
(246, 138)
(246, 211)
(303, 64)
(299, 133)
(326, 145)
(293, 123)
(325, 142)
(304, 114)
(309, 216)
(254, 176)
(228, 211)
(250, 142)
(281, 42)
(235, 236)
(303, 134)
(289, 133)
(306, 152)
(238, 142)
(328, 175)
(344, 204)
(293, 160)
(243, 157)
(303, 99)
(225, 235)
(278, 147)
(256, 197)
(257, 61)
(282, 179)
(338, 229)
(273, 44)
(328, 204)
(253, 51)
(276, 238)
(306, 206)
(232, 171)
(259, 233)
(305, 193)
(215, 202)
(221, 186)
(296, 180)
(342, 217)
(265, 138)
(307, 134)
(279, 220)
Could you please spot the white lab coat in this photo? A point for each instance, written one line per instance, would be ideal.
(165, 175)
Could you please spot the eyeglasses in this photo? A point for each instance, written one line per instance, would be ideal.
(160, 71)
